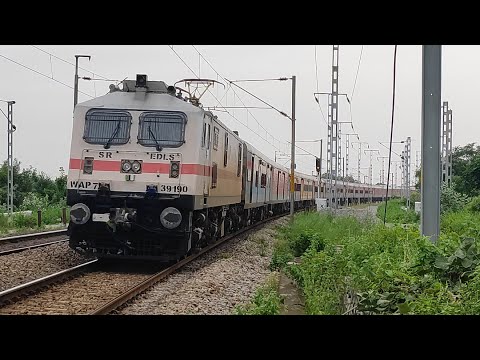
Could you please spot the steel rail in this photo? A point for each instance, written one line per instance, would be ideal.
(36, 284)
(146, 284)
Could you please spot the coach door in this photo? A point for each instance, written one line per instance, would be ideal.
(207, 148)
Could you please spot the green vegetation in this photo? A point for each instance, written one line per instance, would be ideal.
(32, 191)
(397, 212)
(391, 269)
(474, 204)
(451, 200)
(466, 169)
(266, 300)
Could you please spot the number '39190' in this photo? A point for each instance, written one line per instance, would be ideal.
(174, 188)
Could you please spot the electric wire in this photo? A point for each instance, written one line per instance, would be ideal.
(230, 84)
(40, 73)
(233, 82)
(391, 132)
(273, 145)
(66, 61)
(356, 75)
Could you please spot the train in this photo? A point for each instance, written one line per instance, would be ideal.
(154, 176)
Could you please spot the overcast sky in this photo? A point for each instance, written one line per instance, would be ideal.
(43, 109)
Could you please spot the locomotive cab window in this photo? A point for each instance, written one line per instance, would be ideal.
(162, 129)
(107, 127)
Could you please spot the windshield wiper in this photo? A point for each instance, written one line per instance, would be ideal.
(107, 144)
(159, 148)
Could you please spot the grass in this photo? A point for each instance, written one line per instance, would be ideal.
(397, 212)
(20, 224)
(392, 270)
(266, 301)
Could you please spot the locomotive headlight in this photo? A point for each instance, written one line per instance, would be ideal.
(136, 166)
(174, 169)
(79, 214)
(171, 217)
(126, 166)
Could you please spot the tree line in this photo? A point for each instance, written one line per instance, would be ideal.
(30, 184)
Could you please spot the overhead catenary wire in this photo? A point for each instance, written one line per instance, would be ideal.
(263, 101)
(6, 117)
(66, 61)
(233, 82)
(356, 75)
(316, 77)
(193, 72)
(233, 116)
(391, 132)
(42, 74)
(230, 86)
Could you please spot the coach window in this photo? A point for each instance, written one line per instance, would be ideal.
(204, 134)
(214, 175)
(256, 178)
(162, 129)
(225, 153)
(215, 138)
(263, 180)
(239, 164)
(209, 140)
(107, 127)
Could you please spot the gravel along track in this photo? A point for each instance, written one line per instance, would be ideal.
(28, 265)
(6, 245)
(361, 213)
(80, 295)
(215, 283)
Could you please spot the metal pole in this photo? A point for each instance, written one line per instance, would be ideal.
(347, 146)
(329, 153)
(334, 124)
(292, 158)
(343, 179)
(443, 136)
(446, 136)
(359, 158)
(10, 130)
(75, 83)
(371, 179)
(431, 123)
(320, 172)
(449, 148)
(408, 153)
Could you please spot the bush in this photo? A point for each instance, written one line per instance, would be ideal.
(266, 300)
(474, 204)
(414, 197)
(451, 200)
(397, 212)
(24, 221)
(33, 201)
(392, 270)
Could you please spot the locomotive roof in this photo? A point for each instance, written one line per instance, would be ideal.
(140, 101)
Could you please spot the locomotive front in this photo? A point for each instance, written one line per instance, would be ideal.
(134, 172)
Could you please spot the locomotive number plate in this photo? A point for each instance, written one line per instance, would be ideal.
(173, 189)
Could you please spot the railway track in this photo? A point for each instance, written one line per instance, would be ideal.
(13, 244)
(89, 289)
